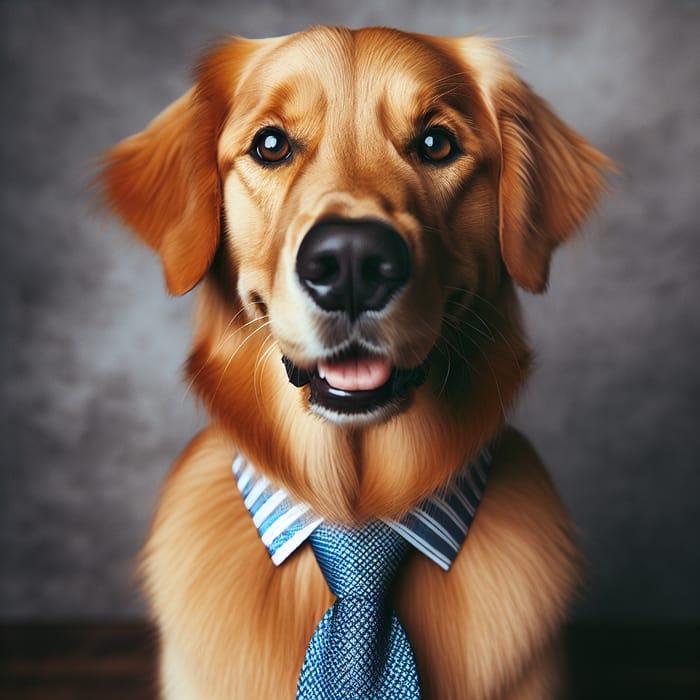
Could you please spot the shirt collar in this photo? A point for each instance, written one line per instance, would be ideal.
(437, 527)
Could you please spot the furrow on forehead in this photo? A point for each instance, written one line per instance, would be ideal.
(299, 76)
(412, 74)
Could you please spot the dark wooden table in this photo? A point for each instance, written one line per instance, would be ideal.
(110, 661)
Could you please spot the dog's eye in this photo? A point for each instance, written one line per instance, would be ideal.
(437, 146)
(271, 146)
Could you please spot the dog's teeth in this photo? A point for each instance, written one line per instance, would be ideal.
(321, 372)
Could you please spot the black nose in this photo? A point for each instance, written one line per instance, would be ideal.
(353, 266)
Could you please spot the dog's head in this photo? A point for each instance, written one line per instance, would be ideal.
(359, 203)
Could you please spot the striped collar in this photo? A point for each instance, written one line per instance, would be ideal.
(437, 527)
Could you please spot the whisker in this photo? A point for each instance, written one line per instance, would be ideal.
(460, 353)
(493, 329)
(226, 336)
(448, 356)
(232, 356)
(260, 361)
(493, 374)
(484, 332)
(478, 296)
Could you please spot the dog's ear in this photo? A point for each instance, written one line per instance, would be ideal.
(164, 182)
(550, 176)
(550, 180)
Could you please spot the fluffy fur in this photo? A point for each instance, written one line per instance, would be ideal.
(354, 104)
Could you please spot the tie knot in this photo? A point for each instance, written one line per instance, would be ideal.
(358, 562)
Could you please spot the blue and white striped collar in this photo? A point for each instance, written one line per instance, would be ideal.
(437, 527)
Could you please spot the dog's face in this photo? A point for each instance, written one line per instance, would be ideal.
(361, 201)
(360, 191)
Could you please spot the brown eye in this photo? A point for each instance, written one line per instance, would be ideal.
(271, 146)
(437, 146)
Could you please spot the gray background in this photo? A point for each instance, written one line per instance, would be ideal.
(92, 412)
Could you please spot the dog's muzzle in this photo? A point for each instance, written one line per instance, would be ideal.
(354, 268)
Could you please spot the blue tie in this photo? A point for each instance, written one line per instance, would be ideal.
(359, 650)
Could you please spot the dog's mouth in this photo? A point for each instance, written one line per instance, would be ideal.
(355, 382)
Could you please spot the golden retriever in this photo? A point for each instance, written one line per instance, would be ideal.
(443, 181)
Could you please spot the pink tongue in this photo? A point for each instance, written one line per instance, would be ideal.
(356, 374)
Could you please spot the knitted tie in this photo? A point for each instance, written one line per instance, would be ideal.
(359, 650)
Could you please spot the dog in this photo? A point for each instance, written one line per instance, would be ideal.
(357, 208)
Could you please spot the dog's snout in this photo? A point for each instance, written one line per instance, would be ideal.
(353, 266)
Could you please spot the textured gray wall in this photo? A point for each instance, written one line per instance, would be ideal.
(91, 409)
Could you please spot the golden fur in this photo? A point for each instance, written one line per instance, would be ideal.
(232, 624)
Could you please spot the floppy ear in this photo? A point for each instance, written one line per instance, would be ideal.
(164, 182)
(550, 180)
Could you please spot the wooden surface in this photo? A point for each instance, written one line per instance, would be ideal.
(76, 661)
(110, 661)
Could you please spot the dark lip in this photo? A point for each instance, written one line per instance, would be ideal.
(356, 402)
